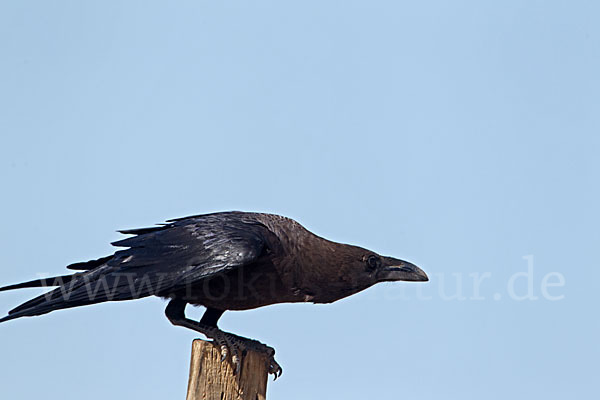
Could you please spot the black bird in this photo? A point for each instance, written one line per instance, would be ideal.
(222, 261)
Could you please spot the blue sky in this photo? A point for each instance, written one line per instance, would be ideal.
(462, 136)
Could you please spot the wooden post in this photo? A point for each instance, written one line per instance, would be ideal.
(211, 379)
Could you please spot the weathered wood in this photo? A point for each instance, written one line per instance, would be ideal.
(211, 379)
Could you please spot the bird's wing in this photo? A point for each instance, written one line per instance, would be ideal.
(185, 251)
(157, 261)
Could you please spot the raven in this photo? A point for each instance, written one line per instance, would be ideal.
(222, 261)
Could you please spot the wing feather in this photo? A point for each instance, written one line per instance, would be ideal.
(157, 261)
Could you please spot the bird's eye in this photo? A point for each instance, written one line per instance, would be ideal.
(373, 262)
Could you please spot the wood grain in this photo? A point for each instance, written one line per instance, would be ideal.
(211, 379)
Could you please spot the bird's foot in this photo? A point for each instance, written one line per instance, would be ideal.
(237, 346)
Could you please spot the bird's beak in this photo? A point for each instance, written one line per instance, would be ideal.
(399, 270)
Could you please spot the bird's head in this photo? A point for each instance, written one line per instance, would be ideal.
(343, 270)
(367, 267)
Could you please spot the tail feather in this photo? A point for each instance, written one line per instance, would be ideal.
(61, 296)
(20, 311)
(8, 318)
(83, 288)
(42, 307)
(64, 282)
(43, 282)
(45, 298)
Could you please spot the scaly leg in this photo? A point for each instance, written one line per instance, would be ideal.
(228, 342)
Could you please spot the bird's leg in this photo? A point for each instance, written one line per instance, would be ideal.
(228, 342)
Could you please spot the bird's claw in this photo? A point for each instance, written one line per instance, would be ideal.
(224, 352)
(237, 362)
(274, 368)
(230, 346)
(236, 346)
